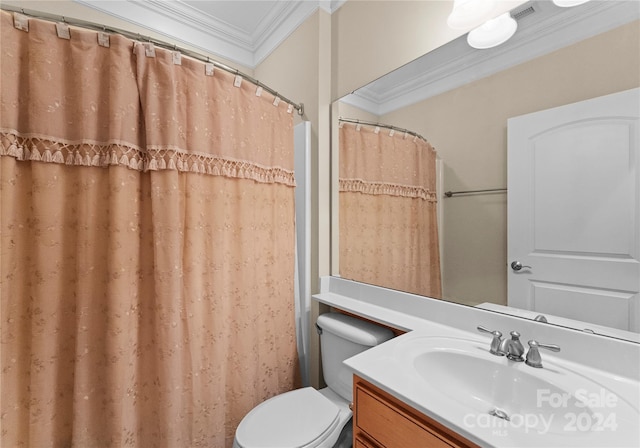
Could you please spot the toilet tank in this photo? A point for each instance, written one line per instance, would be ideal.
(341, 338)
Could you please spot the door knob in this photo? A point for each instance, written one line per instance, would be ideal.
(516, 266)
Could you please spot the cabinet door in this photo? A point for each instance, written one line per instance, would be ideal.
(390, 423)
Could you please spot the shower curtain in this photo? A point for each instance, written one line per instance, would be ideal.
(388, 219)
(147, 244)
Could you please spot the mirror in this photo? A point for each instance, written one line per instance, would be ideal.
(459, 99)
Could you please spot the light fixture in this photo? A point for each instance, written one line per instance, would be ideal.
(569, 3)
(468, 13)
(493, 32)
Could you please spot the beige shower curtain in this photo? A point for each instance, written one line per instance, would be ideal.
(388, 218)
(147, 223)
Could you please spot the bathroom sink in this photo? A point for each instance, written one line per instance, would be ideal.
(512, 397)
(496, 386)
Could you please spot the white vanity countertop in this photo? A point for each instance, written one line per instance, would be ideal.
(388, 367)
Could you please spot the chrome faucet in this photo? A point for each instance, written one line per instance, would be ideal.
(533, 356)
(513, 348)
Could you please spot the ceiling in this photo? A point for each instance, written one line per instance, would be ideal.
(241, 31)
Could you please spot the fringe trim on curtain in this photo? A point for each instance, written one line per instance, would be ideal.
(176, 159)
(377, 188)
(86, 153)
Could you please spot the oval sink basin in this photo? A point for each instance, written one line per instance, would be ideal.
(499, 387)
(512, 396)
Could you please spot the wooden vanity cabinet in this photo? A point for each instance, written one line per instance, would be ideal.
(382, 421)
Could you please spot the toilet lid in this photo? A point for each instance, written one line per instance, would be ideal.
(293, 419)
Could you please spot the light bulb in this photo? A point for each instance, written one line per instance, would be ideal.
(569, 3)
(467, 13)
(493, 32)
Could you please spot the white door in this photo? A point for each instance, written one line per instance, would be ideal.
(574, 211)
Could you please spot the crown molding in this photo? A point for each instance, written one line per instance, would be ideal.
(148, 15)
(457, 64)
(183, 23)
(279, 27)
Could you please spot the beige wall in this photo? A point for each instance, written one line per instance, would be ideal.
(348, 111)
(468, 127)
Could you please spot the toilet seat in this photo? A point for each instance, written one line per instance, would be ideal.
(298, 419)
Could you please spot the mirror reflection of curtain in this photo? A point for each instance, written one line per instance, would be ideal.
(147, 219)
(388, 218)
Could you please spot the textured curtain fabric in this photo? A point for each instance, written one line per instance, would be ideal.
(147, 246)
(388, 219)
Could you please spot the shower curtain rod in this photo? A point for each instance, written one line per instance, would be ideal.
(490, 190)
(141, 38)
(382, 125)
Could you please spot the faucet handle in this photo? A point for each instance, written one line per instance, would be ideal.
(495, 342)
(533, 356)
(552, 347)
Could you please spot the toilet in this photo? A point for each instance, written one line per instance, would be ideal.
(310, 418)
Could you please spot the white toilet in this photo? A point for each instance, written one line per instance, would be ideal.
(310, 418)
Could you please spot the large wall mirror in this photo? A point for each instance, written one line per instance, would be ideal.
(460, 100)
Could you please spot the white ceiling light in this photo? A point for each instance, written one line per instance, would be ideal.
(467, 13)
(493, 32)
(569, 3)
